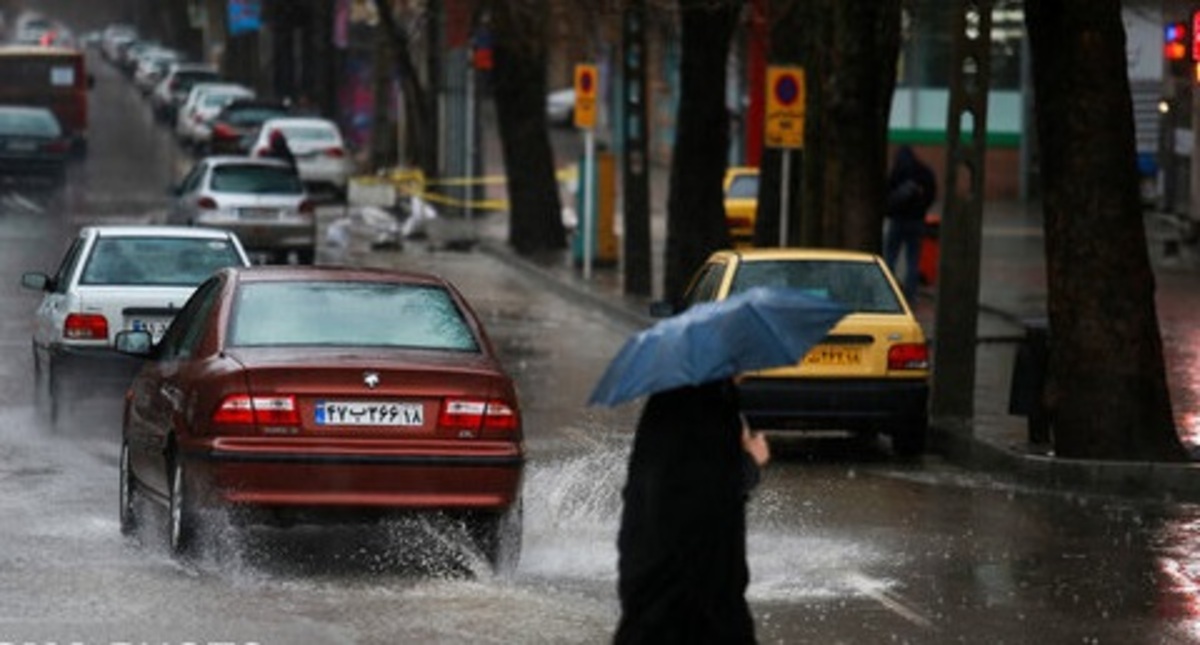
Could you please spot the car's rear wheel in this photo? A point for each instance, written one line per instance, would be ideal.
(128, 492)
(181, 520)
(910, 440)
(498, 536)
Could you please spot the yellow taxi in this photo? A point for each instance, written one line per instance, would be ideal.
(741, 202)
(871, 373)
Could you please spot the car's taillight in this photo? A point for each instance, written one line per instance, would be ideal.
(207, 203)
(57, 146)
(261, 152)
(307, 207)
(737, 222)
(474, 416)
(908, 356)
(85, 327)
(223, 131)
(243, 409)
(336, 153)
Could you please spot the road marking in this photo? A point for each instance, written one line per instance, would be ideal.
(892, 601)
(23, 203)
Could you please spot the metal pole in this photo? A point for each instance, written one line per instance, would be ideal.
(784, 196)
(588, 208)
(468, 143)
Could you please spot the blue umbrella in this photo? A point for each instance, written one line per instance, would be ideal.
(757, 329)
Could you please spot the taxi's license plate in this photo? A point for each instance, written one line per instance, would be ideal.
(834, 355)
(157, 327)
(369, 413)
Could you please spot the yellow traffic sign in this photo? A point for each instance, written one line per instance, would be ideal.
(784, 121)
(586, 79)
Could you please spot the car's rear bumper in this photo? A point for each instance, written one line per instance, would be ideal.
(341, 475)
(828, 404)
(266, 235)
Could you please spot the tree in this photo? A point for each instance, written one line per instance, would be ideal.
(519, 86)
(417, 106)
(695, 212)
(1106, 390)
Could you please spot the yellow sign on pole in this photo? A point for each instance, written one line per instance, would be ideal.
(784, 127)
(586, 80)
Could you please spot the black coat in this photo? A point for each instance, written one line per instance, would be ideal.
(682, 541)
(911, 186)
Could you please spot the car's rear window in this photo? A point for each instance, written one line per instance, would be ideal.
(743, 187)
(349, 314)
(251, 116)
(156, 261)
(34, 123)
(256, 178)
(309, 134)
(860, 286)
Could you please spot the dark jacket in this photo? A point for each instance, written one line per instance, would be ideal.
(682, 542)
(911, 187)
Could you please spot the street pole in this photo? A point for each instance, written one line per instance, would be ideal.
(784, 197)
(469, 147)
(588, 191)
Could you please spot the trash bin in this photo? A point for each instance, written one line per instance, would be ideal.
(1029, 380)
(927, 266)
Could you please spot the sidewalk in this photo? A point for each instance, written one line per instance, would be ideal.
(1014, 291)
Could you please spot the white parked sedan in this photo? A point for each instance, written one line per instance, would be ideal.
(193, 123)
(114, 278)
(318, 146)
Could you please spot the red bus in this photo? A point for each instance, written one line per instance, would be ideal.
(52, 77)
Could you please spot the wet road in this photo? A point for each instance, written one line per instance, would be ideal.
(847, 545)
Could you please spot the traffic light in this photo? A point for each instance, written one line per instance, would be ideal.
(1177, 48)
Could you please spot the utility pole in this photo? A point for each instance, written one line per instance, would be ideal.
(636, 179)
(953, 394)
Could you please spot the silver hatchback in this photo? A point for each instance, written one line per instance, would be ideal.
(262, 200)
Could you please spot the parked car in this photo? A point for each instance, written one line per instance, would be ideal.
(32, 143)
(194, 121)
(869, 376)
(236, 125)
(318, 147)
(171, 91)
(560, 107)
(741, 203)
(323, 393)
(113, 278)
(262, 200)
(152, 66)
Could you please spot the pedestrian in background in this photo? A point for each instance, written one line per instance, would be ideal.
(279, 148)
(911, 191)
(682, 542)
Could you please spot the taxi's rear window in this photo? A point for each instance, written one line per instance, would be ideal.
(157, 261)
(349, 314)
(256, 178)
(860, 286)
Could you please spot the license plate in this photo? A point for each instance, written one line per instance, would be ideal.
(156, 327)
(258, 213)
(834, 355)
(369, 413)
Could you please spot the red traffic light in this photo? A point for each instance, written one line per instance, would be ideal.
(1175, 41)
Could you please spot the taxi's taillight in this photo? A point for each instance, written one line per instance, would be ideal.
(908, 356)
(206, 203)
(85, 327)
(243, 409)
(471, 417)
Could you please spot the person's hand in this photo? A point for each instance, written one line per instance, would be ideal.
(755, 444)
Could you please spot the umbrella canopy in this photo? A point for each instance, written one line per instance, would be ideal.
(757, 329)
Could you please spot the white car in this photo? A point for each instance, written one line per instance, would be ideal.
(318, 146)
(193, 123)
(170, 92)
(114, 278)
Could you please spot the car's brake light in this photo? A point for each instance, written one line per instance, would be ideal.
(261, 152)
(85, 327)
(336, 153)
(307, 207)
(472, 416)
(223, 131)
(738, 222)
(908, 356)
(207, 203)
(57, 146)
(243, 409)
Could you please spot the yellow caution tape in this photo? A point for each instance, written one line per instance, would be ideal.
(413, 182)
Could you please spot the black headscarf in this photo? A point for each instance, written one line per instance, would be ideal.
(682, 542)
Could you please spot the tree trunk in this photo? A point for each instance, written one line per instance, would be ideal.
(519, 86)
(695, 206)
(1106, 388)
(417, 120)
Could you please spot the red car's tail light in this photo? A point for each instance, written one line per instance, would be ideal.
(207, 203)
(243, 409)
(85, 327)
(58, 146)
(477, 414)
(908, 356)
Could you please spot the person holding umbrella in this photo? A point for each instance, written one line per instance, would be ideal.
(682, 570)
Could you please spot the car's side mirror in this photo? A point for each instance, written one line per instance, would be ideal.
(136, 342)
(663, 309)
(36, 281)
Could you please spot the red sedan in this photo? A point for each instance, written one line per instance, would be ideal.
(293, 389)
